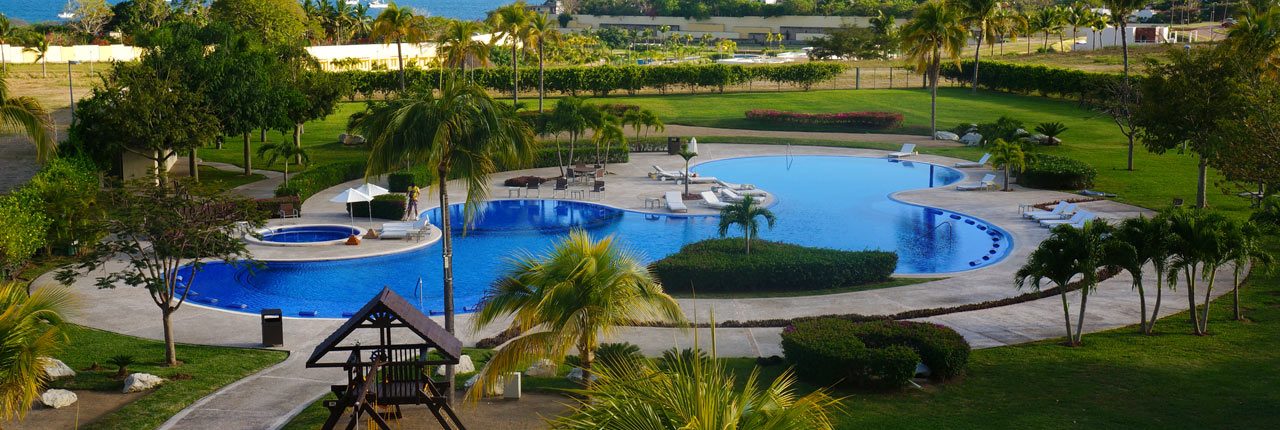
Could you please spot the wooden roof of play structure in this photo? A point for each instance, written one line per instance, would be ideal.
(383, 375)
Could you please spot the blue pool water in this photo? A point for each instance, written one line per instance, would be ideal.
(309, 233)
(835, 202)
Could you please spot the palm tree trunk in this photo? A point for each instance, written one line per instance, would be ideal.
(541, 84)
(1235, 294)
(194, 170)
(1204, 314)
(976, 53)
(933, 93)
(297, 142)
(1155, 311)
(586, 355)
(1066, 314)
(1142, 305)
(746, 236)
(515, 75)
(446, 254)
(1084, 301)
(1202, 197)
(1045, 45)
(4, 61)
(44, 66)
(1191, 300)
(1124, 48)
(248, 162)
(1006, 176)
(286, 172)
(400, 65)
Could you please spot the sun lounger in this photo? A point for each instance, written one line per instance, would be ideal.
(675, 202)
(988, 182)
(1080, 218)
(702, 179)
(664, 174)
(711, 200)
(908, 149)
(981, 162)
(735, 187)
(400, 230)
(1062, 210)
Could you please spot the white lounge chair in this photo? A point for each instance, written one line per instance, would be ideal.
(730, 195)
(981, 162)
(1062, 210)
(664, 174)
(675, 202)
(744, 189)
(403, 229)
(908, 149)
(1080, 217)
(988, 182)
(711, 200)
(702, 179)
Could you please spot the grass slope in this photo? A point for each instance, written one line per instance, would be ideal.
(204, 370)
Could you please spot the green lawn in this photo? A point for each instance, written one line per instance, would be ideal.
(895, 282)
(204, 369)
(215, 180)
(320, 140)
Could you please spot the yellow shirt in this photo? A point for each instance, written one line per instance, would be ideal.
(413, 192)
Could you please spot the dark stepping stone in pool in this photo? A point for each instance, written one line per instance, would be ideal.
(348, 314)
(954, 216)
(992, 252)
(982, 227)
(307, 313)
(971, 264)
(986, 258)
(968, 221)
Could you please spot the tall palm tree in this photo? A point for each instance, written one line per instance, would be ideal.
(39, 44)
(745, 214)
(511, 22)
(32, 327)
(1007, 156)
(463, 134)
(541, 31)
(608, 134)
(27, 115)
(1099, 23)
(286, 150)
(7, 33)
(641, 119)
(978, 16)
(1199, 249)
(1257, 33)
(688, 392)
(1047, 20)
(401, 25)
(1120, 11)
(1078, 15)
(1009, 23)
(935, 30)
(577, 291)
(574, 116)
(1070, 252)
(457, 44)
(1151, 240)
(1244, 249)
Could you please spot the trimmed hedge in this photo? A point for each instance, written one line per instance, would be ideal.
(1052, 172)
(719, 265)
(317, 178)
(386, 206)
(881, 353)
(1031, 78)
(399, 182)
(602, 80)
(858, 120)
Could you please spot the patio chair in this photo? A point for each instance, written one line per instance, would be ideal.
(908, 149)
(987, 182)
(598, 175)
(981, 161)
(711, 200)
(1079, 218)
(702, 179)
(1059, 211)
(664, 174)
(533, 186)
(562, 188)
(598, 186)
(288, 211)
(730, 195)
(675, 202)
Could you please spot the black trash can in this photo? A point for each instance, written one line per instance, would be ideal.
(272, 327)
(673, 145)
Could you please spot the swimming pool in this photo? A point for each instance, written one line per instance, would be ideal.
(304, 235)
(827, 201)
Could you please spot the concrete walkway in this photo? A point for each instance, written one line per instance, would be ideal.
(267, 399)
(263, 189)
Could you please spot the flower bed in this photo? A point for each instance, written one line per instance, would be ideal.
(858, 120)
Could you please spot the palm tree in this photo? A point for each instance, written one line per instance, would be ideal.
(1009, 22)
(39, 44)
(1244, 249)
(1120, 11)
(574, 116)
(1150, 238)
(511, 22)
(28, 115)
(1198, 249)
(399, 24)
(1078, 15)
(608, 134)
(7, 33)
(978, 14)
(933, 31)
(745, 214)
(32, 327)
(1070, 252)
(286, 150)
(541, 31)
(640, 119)
(1257, 32)
(463, 134)
(577, 291)
(688, 392)
(1047, 20)
(1098, 24)
(456, 44)
(1007, 156)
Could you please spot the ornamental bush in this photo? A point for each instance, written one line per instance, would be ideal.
(857, 120)
(319, 177)
(1031, 78)
(720, 265)
(386, 206)
(1052, 172)
(879, 353)
(941, 348)
(399, 182)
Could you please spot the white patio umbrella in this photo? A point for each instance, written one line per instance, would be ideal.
(693, 145)
(372, 191)
(351, 195)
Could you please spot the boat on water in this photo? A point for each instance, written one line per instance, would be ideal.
(68, 11)
(377, 4)
(353, 2)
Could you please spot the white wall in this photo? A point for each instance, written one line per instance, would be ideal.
(1108, 37)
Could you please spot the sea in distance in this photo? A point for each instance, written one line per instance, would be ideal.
(33, 11)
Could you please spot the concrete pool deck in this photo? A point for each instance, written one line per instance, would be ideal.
(268, 399)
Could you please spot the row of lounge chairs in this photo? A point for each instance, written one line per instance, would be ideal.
(988, 182)
(1063, 213)
(405, 229)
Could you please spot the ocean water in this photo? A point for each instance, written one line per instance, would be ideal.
(833, 202)
(47, 10)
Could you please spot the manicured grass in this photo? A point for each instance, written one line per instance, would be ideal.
(215, 180)
(204, 369)
(895, 282)
(320, 140)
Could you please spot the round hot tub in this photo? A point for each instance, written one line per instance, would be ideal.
(304, 235)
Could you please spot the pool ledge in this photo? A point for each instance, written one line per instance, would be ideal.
(366, 248)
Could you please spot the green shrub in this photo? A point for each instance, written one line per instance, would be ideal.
(1031, 78)
(317, 178)
(386, 206)
(399, 182)
(824, 353)
(719, 265)
(941, 348)
(1052, 172)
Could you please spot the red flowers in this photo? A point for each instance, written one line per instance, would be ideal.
(860, 120)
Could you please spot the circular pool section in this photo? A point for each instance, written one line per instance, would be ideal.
(824, 201)
(304, 235)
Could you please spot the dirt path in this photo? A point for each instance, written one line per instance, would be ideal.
(18, 155)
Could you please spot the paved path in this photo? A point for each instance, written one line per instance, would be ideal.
(269, 398)
(263, 189)
(18, 155)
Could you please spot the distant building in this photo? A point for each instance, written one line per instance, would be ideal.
(550, 7)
